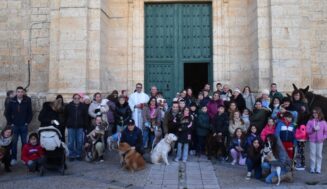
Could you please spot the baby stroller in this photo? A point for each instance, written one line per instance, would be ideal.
(55, 149)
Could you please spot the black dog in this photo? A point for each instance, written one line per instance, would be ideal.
(215, 146)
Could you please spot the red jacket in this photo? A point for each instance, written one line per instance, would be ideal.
(30, 152)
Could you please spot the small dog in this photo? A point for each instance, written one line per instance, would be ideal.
(267, 154)
(130, 159)
(160, 152)
(114, 139)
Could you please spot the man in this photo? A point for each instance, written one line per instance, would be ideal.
(76, 120)
(219, 88)
(19, 115)
(133, 136)
(274, 93)
(136, 102)
(168, 124)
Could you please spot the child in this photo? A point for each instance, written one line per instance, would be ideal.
(32, 153)
(246, 118)
(251, 135)
(253, 160)
(203, 127)
(236, 122)
(184, 131)
(220, 127)
(285, 130)
(317, 133)
(5, 145)
(301, 137)
(269, 129)
(237, 147)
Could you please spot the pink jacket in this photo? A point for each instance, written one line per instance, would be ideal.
(317, 136)
(267, 131)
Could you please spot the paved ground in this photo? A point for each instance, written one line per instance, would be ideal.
(197, 173)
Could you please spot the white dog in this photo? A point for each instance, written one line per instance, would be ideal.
(160, 152)
(268, 155)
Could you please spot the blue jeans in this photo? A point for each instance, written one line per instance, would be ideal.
(179, 151)
(273, 174)
(22, 131)
(147, 137)
(251, 167)
(75, 142)
(200, 146)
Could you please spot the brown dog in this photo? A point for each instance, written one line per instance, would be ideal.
(215, 146)
(130, 159)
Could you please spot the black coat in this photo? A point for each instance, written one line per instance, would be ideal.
(221, 123)
(47, 114)
(240, 102)
(122, 114)
(19, 113)
(184, 129)
(76, 116)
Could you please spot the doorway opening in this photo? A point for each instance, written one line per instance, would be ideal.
(195, 76)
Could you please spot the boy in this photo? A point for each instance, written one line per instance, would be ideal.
(285, 130)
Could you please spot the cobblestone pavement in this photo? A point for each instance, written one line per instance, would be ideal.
(197, 173)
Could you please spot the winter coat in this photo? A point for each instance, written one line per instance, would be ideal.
(249, 139)
(93, 106)
(233, 126)
(184, 129)
(189, 100)
(316, 136)
(133, 138)
(203, 126)
(267, 131)
(19, 113)
(259, 118)
(249, 101)
(254, 155)
(122, 114)
(111, 112)
(240, 102)
(221, 124)
(205, 101)
(276, 95)
(146, 114)
(47, 114)
(169, 126)
(30, 152)
(285, 131)
(213, 108)
(236, 142)
(76, 116)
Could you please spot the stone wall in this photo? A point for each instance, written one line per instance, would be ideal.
(24, 35)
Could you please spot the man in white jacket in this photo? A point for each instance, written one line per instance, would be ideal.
(136, 102)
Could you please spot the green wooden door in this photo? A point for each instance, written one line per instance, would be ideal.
(175, 34)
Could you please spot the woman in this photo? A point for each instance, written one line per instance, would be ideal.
(275, 107)
(253, 160)
(235, 123)
(232, 108)
(213, 106)
(260, 116)
(238, 99)
(282, 160)
(122, 113)
(300, 105)
(151, 121)
(189, 98)
(6, 138)
(248, 97)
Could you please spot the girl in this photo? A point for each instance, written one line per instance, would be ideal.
(275, 106)
(152, 121)
(252, 134)
(232, 108)
(189, 98)
(317, 133)
(300, 105)
(253, 160)
(246, 117)
(32, 153)
(5, 144)
(236, 122)
(184, 131)
(248, 97)
(237, 147)
(269, 129)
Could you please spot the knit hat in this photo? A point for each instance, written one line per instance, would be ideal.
(85, 97)
(237, 90)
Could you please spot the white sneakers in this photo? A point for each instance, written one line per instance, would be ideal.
(248, 176)
(233, 162)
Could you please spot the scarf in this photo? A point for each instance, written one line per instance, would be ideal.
(5, 141)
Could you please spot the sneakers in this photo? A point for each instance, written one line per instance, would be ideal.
(176, 160)
(248, 176)
(233, 162)
(312, 171)
(101, 159)
(13, 162)
(184, 161)
(318, 172)
(299, 168)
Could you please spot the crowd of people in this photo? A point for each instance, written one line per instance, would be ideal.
(242, 122)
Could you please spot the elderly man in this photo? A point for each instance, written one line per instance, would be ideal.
(136, 102)
(133, 136)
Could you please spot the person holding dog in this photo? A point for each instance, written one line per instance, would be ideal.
(133, 136)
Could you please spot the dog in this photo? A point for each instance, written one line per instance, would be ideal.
(114, 140)
(130, 159)
(157, 136)
(215, 145)
(160, 152)
(267, 154)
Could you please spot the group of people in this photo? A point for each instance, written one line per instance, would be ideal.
(243, 122)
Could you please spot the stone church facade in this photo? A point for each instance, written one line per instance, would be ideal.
(102, 45)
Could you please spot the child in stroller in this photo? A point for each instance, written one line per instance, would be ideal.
(94, 145)
(55, 150)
